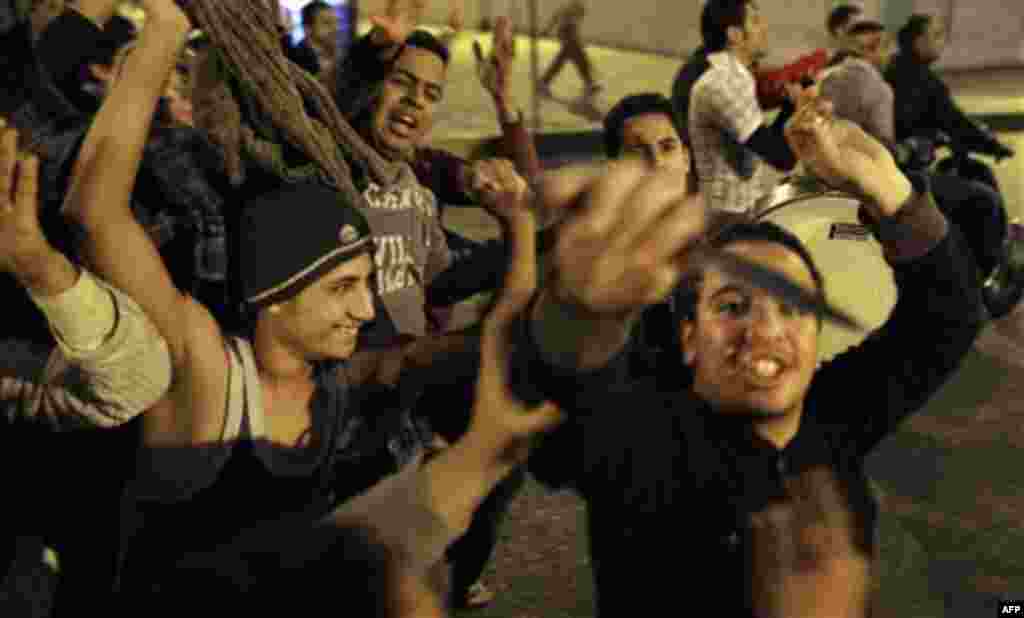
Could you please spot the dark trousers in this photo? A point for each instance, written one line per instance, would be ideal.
(571, 51)
(978, 210)
(470, 554)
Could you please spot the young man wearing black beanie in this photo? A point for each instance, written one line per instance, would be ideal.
(260, 426)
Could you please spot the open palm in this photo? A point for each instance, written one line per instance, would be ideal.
(399, 20)
(20, 233)
(494, 70)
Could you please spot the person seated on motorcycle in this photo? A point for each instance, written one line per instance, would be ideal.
(924, 105)
(860, 93)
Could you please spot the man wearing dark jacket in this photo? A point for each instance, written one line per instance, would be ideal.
(681, 467)
(924, 104)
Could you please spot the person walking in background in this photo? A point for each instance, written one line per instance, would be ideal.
(567, 22)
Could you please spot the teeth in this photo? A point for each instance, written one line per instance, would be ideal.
(767, 367)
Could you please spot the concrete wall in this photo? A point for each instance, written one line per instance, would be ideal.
(670, 27)
(984, 34)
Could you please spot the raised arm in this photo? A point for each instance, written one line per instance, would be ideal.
(115, 245)
(939, 312)
(495, 74)
(110, 364)
(452, 484)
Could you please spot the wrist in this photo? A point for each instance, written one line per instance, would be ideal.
(507, 111)
(461, 477)
(890, 194)
(45, 272)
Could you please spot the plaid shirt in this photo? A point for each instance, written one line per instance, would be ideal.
(723, 114)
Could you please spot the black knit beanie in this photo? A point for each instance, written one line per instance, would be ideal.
(292, 236)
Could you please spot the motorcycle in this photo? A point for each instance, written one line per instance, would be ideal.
(1003, 286)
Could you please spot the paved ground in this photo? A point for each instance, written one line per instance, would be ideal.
(467, 111)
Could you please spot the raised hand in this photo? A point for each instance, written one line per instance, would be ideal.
(497, 187)
(494, 70)
(398, 21)
(21, 238)
(624, 244)
(502, 425)
(844, 156)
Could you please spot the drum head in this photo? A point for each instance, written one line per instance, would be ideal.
(857, 277)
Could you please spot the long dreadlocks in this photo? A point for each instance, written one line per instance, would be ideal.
(258, 107)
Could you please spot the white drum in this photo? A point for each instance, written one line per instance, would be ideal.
(857, 278)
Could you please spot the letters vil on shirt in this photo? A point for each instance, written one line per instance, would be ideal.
(723, 114)
(411, 251)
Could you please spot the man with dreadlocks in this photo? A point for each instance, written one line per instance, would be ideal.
(268, 424)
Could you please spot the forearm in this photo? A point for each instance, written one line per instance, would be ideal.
(111, 364)
(47, 274)
(909, 225)
(517, 143)
(419, 512)
(115, 245)
(121, 128)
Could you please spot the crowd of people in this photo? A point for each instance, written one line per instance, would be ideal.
(229, 368)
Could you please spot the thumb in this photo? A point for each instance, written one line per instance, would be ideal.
(26, 199)
(542, 419)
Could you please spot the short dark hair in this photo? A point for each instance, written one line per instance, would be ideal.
(687, 295)
(421, 39)
(311, 10)
(915, 27)
(866, 27)
(716, 19)
(633, 105)
(117, 33)
(841, 16)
